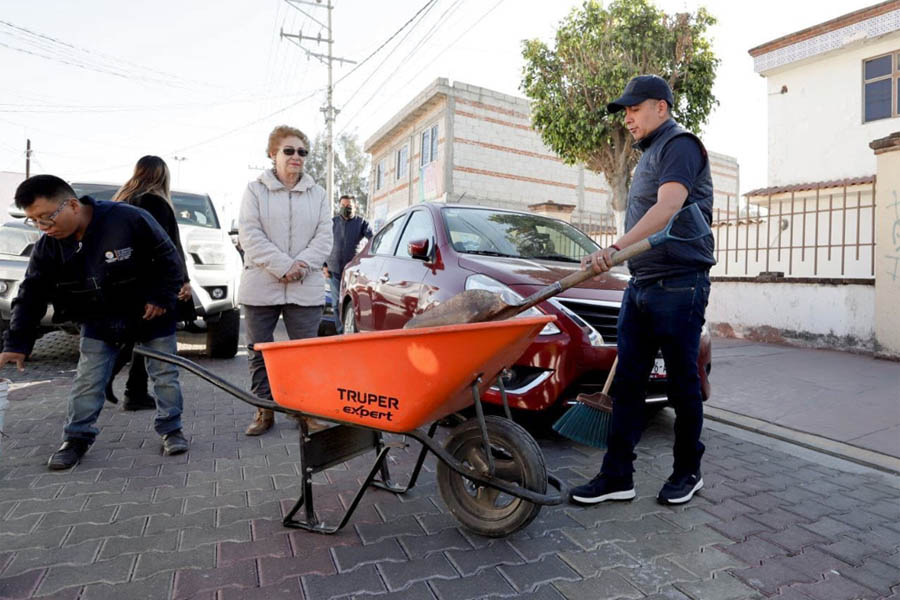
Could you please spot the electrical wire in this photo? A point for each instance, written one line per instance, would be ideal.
(386, 58)
(431, 62)
(386, 42)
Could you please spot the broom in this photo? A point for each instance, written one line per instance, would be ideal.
(588, 421)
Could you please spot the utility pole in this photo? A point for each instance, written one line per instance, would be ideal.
(328, 59)
(180, 160)
(28, 158)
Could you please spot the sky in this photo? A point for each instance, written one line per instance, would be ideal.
(96, 84)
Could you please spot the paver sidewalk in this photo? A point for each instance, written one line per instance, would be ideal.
(130, 523)
(850, 398)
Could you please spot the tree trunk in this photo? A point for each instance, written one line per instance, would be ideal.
(618, 183)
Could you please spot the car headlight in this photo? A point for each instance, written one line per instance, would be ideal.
(207, 253)
(4, 286)
(594, 336)
(483, 282)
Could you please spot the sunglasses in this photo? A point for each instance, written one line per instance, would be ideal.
(49, 220)
(288, 151)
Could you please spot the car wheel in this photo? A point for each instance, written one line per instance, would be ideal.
(347, 318)
(222, 334)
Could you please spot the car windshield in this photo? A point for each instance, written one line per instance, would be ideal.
(190, 209)
(16, 241)
(501, 233)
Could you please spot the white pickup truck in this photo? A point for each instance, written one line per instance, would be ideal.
(213, 263)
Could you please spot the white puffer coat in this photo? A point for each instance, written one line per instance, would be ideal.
(278, 226)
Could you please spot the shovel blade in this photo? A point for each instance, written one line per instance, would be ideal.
(470, 306)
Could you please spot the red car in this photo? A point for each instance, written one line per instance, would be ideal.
(431, 252)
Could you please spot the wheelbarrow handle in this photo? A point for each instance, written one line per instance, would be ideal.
(206, 374)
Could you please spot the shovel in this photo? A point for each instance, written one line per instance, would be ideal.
(478, 306)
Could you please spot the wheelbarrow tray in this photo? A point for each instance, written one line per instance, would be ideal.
(396, 380)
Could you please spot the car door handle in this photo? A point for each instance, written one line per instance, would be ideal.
(384, 278)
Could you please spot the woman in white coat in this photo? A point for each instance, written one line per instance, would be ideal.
(285, 231)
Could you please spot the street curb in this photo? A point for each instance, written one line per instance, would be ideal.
(868, 458)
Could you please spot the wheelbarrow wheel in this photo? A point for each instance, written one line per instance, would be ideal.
(517, 459)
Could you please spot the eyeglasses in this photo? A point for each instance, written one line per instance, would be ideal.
(288, 151)
(48, 221)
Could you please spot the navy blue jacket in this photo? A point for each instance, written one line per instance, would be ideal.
(672, 258)
(348, 233)
(124, 261)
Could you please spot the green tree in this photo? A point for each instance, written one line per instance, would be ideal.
(597, 50)
(351, 165)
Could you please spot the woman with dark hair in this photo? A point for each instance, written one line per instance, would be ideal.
(148, 188)
(285, 231)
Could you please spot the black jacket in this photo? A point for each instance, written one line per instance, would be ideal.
(124, 261)
(160, 210)
(348, 233)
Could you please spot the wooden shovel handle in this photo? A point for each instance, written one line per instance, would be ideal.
(580, 276)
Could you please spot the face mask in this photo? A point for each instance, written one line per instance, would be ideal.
(345, 211)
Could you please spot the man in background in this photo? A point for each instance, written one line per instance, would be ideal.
(349, 231)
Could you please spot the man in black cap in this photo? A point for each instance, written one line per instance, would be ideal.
(665, 301)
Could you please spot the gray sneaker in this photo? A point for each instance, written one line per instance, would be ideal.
(174, 443)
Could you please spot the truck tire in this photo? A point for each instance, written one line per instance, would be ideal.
(222, 335)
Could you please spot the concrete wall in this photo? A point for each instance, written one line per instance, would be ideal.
(887, 238)
(810, 314)
(816, 129)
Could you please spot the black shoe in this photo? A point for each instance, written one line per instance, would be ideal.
(110, 396)
(139, 402)
(602, 488)
(174, 443)
(68, 454)
(679, 489)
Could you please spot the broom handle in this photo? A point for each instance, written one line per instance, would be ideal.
(609, 378)
(577, 277)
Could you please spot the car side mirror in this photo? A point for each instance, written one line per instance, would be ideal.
(15, 211)
(419, 249)
(234, 228)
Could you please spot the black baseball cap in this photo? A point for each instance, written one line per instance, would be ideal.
(640, 88)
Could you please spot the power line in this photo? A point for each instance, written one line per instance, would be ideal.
(221, 135)
(52, 44)
(386, 58)
(431, 62)
(435, 26)
(387, 41)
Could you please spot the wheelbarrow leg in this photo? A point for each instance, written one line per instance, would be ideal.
(386, 484)
(479, 414)
(311, 523)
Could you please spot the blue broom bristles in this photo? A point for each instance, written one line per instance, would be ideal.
(584, 424)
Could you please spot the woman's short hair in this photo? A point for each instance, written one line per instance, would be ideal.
(281, 132)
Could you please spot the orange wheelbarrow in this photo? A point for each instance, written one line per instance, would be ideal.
(491, 472)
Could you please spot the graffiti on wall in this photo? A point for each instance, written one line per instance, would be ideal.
(895, 238)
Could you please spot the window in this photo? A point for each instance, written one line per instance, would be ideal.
(419, 227)
(429, 144)
(379, 175)
(881, 87)
(383, 242)
(402, 162)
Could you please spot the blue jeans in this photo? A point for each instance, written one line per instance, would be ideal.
(335, 281)
(95, 366)
(667, 314)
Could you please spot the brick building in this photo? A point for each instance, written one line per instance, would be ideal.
(462, 143)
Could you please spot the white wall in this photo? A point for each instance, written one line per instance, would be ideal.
(816, 129)
(834, 316)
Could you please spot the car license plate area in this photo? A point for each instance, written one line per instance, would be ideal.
(659, 369)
